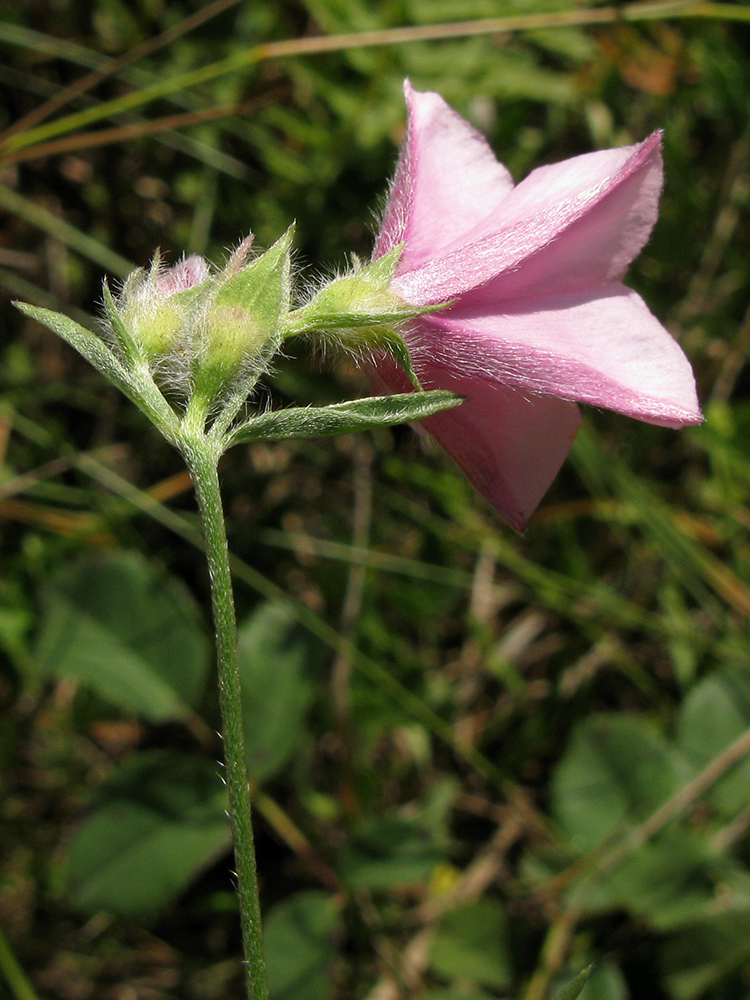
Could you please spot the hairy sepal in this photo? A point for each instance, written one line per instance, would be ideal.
(131, 350)
(243, 320)
(358, 305)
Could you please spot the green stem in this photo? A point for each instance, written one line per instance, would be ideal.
(202, 462)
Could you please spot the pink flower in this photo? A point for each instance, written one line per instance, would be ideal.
(540, 319)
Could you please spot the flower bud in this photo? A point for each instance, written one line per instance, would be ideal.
(198, 331)
(359, 306)
(158, 309)
(360, 312)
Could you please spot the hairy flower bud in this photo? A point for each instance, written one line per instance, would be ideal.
(158, 309)
(198, 331)
(360, 312)
(358, 307)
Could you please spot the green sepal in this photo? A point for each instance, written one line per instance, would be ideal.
(357, 301)
(575, 987)
(153, 270)
(344, 418)
(129, 347)
(243, 319)
(396, 347)
(149, 324)
(361, 313)
(190, 297)
(134, 279)
(255, 287)
(383, 269)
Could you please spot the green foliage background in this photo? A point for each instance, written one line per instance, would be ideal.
(481, 762)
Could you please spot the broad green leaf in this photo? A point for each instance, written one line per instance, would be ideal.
(616, 772)
(471, 944)
(345, 418)
(669, 881)
(129, 632)
(714, 715)
(277, 663)
(605, 982)
(299, 946)
(158, 821)
(697, 957)
(390, 851)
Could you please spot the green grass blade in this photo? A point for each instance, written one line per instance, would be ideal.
(66, 234)
(16, 979)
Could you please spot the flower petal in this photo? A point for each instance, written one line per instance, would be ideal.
(568, 226)
(447, 181)
(186, 273)
(603, 347)
(509, 444)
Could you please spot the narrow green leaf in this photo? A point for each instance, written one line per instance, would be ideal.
(574, 989)
(345, 418)
(91, 347)
(13, 974)
(64, 232)
(139, 388)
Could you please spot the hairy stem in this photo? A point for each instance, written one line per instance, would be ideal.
(202, 463)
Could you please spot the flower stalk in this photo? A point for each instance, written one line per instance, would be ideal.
(202, 462)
